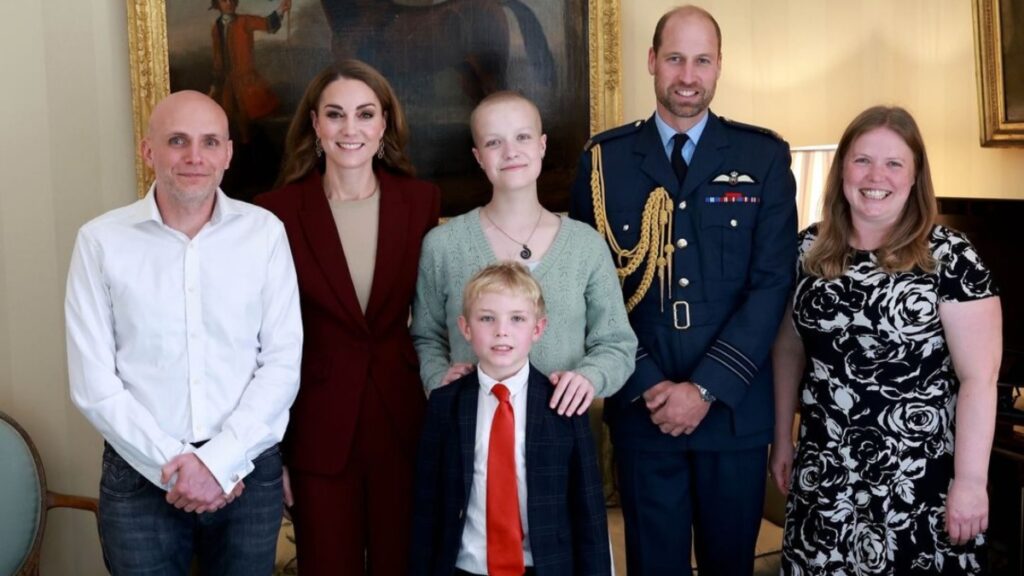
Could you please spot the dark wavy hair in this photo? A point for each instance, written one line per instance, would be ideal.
(300, 144)
(907, 245)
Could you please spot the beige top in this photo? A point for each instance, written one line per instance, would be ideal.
(358, 224)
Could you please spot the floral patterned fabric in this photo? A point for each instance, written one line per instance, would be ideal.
(878, 405)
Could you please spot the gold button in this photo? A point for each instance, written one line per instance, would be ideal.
(683, 282)
(625, 227)
(682, 204)
(681, 243)
(733, 222)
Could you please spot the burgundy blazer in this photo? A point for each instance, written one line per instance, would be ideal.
(345, 352)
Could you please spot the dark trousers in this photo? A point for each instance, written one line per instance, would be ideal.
(142, 534)
(359, 521)
(719, 494)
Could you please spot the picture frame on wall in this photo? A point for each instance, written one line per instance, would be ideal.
(999, 53)
(441, 56)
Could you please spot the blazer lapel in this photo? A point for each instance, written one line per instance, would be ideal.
(536, 404)
(391, 245)
(322, 235)
(708, 156)
(468, 397)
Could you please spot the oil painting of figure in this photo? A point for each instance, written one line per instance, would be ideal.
(442, 57)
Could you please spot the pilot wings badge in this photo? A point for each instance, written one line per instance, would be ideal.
(733, 178)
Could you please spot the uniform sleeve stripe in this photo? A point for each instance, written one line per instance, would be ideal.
(741, 356)
(725, 357)
(731, 369)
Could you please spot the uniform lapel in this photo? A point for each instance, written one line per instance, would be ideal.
(707, 158)
(322, 236)
(655, 162)
(392, 230)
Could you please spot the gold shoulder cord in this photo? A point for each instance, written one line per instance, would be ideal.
(654, 246)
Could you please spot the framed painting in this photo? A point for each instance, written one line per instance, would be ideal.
(441, 56)
(999, 52)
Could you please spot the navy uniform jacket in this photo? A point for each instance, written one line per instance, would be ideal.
(565, 499)
(733, 230)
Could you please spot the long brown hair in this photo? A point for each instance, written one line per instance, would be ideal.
(300, 145)
(907, 245)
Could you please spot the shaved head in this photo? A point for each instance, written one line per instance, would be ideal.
(188, 147)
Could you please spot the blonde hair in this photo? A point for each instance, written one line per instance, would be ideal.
(509, 278)
(500, 97)
(907, 245)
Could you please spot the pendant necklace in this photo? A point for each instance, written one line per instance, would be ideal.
(525, 253)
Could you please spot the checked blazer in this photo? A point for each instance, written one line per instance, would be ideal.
(565, 503)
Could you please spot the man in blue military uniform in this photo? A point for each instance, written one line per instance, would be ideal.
(700, 216)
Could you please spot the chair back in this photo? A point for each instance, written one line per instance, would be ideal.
(22, 498)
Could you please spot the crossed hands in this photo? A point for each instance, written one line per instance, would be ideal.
(676, 408)
(195, 490)
(573, 391)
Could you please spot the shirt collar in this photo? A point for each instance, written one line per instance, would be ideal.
(666, 132)
(515, 383)
(146, 209)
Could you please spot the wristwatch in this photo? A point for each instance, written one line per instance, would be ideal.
(704, 394)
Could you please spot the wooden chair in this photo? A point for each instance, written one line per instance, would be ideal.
(24, 501)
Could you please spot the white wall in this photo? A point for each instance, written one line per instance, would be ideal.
(801, 67)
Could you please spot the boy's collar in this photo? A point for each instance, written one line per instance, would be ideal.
(515, 383)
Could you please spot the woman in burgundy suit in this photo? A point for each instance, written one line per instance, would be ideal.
(355, 218)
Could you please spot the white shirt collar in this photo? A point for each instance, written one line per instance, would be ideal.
(515, 383)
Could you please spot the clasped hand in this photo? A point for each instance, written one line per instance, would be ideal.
(676, 408)
(195, 489)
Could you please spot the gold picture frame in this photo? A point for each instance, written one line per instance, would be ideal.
(150, 78)
(999, 47)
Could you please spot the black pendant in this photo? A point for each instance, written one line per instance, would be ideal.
(526, 252)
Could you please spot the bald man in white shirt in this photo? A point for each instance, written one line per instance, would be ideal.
(184, 341)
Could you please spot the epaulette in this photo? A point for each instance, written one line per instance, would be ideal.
(751, 128)
(612, 134)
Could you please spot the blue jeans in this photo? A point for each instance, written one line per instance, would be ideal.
(142, 534)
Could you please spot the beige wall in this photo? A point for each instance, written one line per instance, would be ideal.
(805, 68)
(801, 67)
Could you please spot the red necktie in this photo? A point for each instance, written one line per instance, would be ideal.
(504, 529)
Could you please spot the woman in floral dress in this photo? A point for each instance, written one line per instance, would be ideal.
(893, 351)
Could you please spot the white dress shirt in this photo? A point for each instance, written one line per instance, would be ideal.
(473, 551)
(173, 340)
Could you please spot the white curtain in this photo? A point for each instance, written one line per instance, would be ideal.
(810, 168)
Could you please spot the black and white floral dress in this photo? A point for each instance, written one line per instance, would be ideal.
(878, 402)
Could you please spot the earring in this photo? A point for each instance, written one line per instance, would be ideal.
(380, 150)
(319, 148)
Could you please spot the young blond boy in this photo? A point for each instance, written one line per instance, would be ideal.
(505, 486)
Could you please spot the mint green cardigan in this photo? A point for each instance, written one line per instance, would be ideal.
(588, 330)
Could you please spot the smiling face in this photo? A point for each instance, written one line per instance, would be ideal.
(501, 328)
(188, 148)
(685, 67)
(878, 174)
(350, 124)
(509, 145)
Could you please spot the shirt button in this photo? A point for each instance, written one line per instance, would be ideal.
(625, 227)
(681, 243)
(236, 478)
(683, 282)
(682, 204)
(733, 222)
